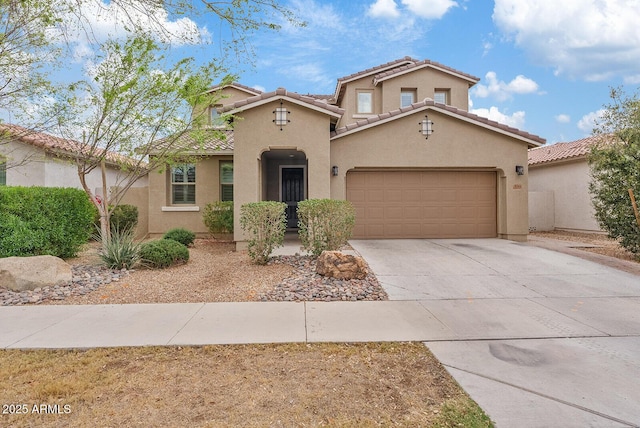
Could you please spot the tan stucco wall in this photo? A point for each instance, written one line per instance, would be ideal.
(541, 211)
(569, 182)
(255, 134)
(164, 216)
(139, 196)
(426, 81)
(454, 145)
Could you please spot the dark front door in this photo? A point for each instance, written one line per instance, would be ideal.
(292, 193)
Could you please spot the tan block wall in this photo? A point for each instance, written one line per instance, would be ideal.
(569, 183)
(139, 196)
(161, 216)
(255, 134)
(454, 145)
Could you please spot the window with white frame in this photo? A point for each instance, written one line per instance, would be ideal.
(441, 96)
(407, 97)
(226, 181)
(183, 184)
(365, 101)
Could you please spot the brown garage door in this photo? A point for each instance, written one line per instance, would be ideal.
(423, 204)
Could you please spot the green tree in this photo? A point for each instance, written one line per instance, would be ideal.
(615, 169)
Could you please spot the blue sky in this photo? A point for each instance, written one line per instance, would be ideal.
(545, 66)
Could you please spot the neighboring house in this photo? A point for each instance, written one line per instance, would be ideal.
(559, 179)
(29, 158)
(368, 143)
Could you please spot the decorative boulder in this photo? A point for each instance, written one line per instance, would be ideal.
(29, 273)
(341, 266)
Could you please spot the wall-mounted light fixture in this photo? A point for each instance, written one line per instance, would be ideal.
(426, 127)
(282, 116)
(519, 169)
(334, 170)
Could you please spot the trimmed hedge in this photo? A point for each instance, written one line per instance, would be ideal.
(123, 217)
(218, 217)
(163, 253)
(265, 224)
(38, 221)
(325, 224)
(183, 236)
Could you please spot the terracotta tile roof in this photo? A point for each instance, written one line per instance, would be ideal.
(423, 64)
(370, 71)
(238, 86)
(280, 93)
(58, 145)
(205, 141)
(533, 140)
(562, 151)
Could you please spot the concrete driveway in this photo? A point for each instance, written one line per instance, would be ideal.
(543, 339)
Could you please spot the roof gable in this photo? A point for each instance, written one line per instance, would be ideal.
(283, 94)
(243, 88)
(420, 65)
(428, 104)
(370, 72)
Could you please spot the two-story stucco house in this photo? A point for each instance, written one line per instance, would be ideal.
(396, 140)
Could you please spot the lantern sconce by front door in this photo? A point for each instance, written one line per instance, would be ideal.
(282, 116)
(426, 127)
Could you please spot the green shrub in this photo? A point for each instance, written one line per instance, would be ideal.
(44, 221)
(218, 217)
(265, 224)
(325, 224)
(121, 250)
(163, 253)
(183, 236)
(123, 217)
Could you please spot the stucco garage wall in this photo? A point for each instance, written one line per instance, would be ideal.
(569, 183)
(455, 145)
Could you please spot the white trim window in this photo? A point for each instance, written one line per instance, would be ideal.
(441, 96)
(364, 101)
(183, 184)
(407, 97)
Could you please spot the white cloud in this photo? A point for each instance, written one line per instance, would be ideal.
(384, 9)
(428, 9)
(501, 90)
(589, 120)
(515, 120)
(106, 20)
(563, 118)
(590, 39)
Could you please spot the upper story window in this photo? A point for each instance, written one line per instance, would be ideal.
(214, 117)
(183, 184)
(365, 101)
(226, 181)
(3, 172)
(407, 97)
(441, 96)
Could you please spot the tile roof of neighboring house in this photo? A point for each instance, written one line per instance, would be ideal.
(304, 100)
(562, 151)
(58, 145)
(423, 64)
(532, 140)
(205, 141)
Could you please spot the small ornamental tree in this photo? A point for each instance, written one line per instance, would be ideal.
(325, 224)
(615, 170)
(265, 224)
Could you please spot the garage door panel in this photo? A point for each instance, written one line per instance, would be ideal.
(423, 204)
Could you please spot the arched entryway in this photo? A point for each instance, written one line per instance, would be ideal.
(284, 179)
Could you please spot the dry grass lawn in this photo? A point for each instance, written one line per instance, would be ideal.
(391, 384)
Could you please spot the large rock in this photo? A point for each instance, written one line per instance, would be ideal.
(342, 266)
(29, 273)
